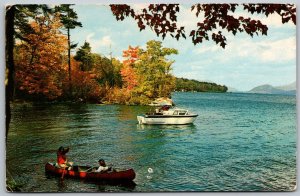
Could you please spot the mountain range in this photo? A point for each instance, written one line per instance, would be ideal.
(289, 89)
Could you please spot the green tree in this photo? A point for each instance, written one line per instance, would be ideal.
(84, 55)
(153, 70)
(107, 70)
(117, 72)
(69, 20)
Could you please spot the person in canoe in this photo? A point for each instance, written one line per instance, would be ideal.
(62, 161)
(102, 166)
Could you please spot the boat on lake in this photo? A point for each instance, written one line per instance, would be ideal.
(167, 115)
(86, 172)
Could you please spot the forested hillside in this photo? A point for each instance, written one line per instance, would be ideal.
(183, 84)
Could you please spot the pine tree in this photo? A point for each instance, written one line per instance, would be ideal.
(69, 20)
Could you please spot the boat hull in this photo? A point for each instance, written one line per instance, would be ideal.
(166, 119)
(113, 176)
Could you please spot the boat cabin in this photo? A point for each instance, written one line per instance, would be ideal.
(167, 110)
(176, 112)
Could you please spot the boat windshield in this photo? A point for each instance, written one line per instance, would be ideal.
(180, 112)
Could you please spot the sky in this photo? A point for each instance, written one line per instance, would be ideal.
(245, 63)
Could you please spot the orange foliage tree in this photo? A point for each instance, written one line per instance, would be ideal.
(127, 72)
(84, 84)
(40, 59)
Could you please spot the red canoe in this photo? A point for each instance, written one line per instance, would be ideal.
(83, 173)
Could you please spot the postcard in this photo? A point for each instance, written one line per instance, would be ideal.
(150, 98)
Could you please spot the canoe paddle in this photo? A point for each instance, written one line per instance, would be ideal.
(89, 169)
(63, 173)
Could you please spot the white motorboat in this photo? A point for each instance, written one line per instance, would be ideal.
(167, 115)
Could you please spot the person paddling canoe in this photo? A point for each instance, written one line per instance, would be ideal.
(62, 161)
(102, 166)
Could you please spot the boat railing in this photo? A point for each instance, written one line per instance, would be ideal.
(154, 113)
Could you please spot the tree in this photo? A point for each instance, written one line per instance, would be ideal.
(162, 19)
(146, 74)
(127, 72)
(85, 85)
(69, 20)
(84, 55)
(117, 65)
(17, 17)
(107, 70)
(38, 61)
(154, 70)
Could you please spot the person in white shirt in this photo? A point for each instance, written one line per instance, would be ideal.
(102, 166)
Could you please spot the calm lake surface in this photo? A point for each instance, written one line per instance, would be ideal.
(239, 142)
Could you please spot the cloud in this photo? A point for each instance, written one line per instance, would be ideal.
(106, 41)
(205, 49)
(244, 63)
(188, 18)
(281, 50)
(265, 51)
(249, 49)
(139, 6)
(273, 20)
(101, 44)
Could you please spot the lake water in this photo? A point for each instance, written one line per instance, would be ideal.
(239, 142)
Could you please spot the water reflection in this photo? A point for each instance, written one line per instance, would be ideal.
(61, 185)
(189, 127)
(169, 130)
(129, 113)
(80, 185)
(116, 187)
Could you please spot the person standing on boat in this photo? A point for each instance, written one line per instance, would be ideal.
(102, 166)
(165, 107)
(62, 158)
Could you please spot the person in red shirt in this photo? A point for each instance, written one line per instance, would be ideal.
(62, 158)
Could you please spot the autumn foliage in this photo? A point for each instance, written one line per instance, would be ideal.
(127, 72)
(146, 75)
(42, 68)
(162, 19)
(84, 85)
(39, 60)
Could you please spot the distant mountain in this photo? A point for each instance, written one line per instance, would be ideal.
(289, 87)
(268, 89)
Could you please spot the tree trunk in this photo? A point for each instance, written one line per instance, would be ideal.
(10, 67)
(69, 63)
